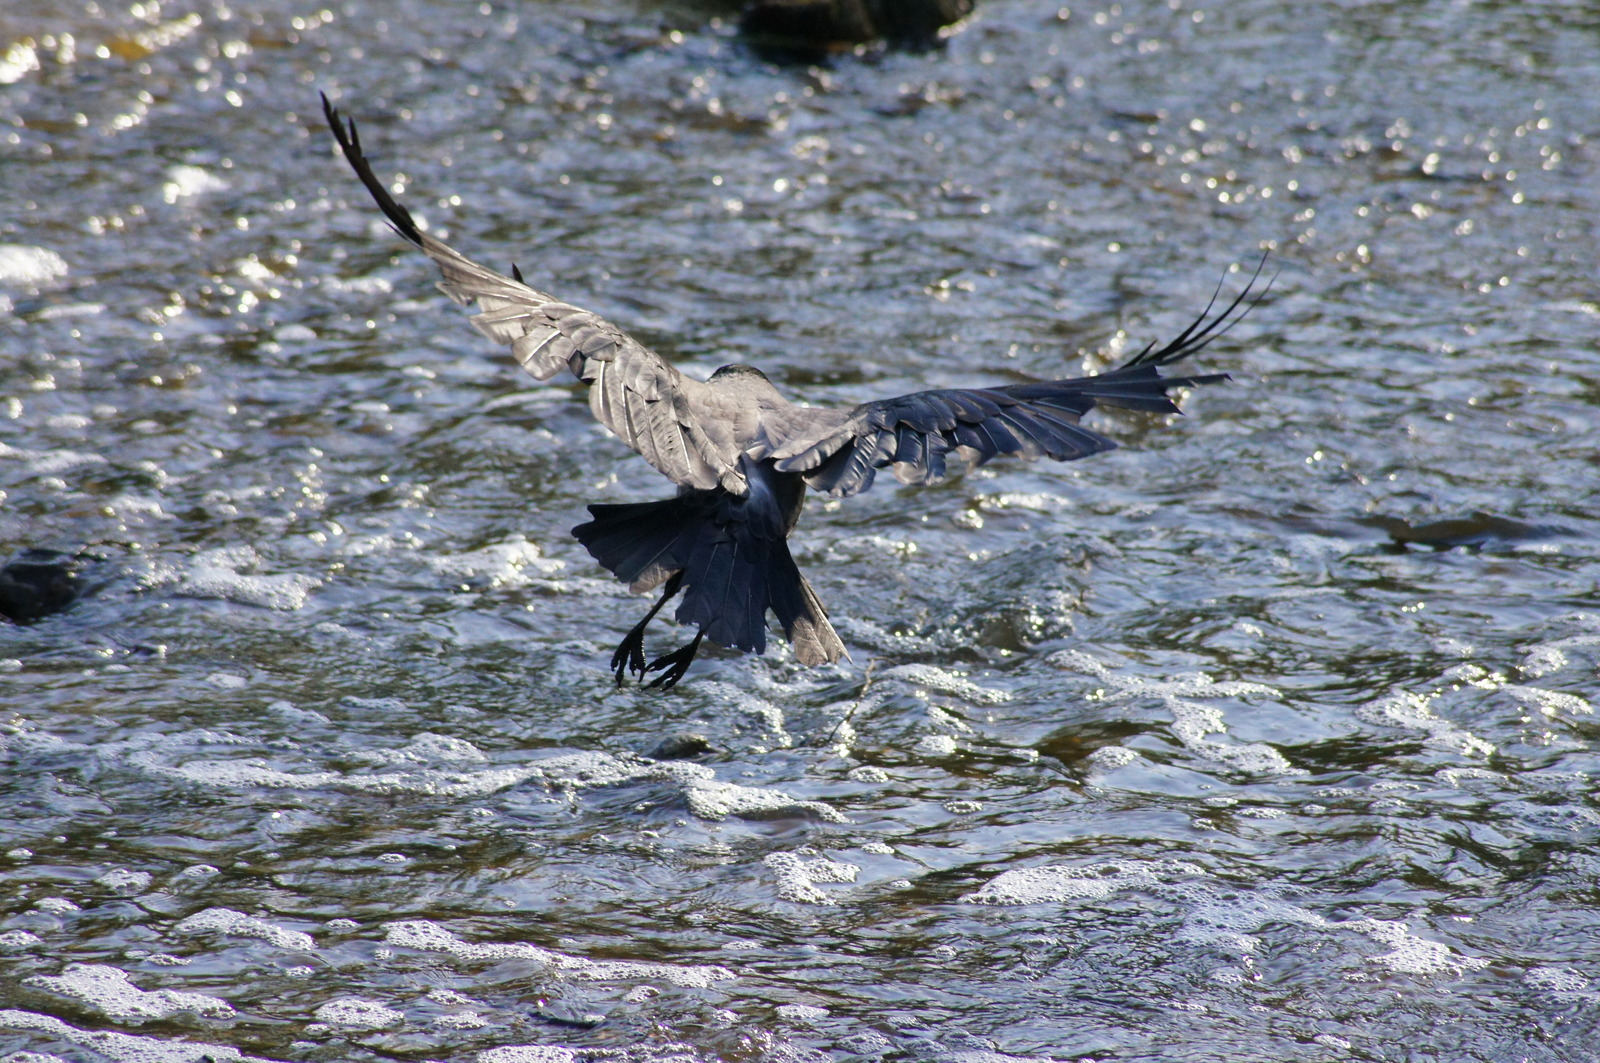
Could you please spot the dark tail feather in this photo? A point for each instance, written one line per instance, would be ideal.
(642, 543)
(725, 587)
(800, 611)
(735, 563)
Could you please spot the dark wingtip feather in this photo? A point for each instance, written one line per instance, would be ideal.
(344, 131)
(516, 274)
(1202, 331)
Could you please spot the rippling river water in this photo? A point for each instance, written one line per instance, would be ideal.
(1269, 736)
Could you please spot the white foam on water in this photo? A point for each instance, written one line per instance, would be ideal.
(1230, 921)
(1179, 685)
(801, 1013)
(516, 562)
(1474, 675)
(1110, 758)
(230, 923)
(377, 543)
(1193, 723)
(362, 285)
(108, 990)
(936, 746)
(796, 878)
(184, 181)
(232, 774)
(294, 333)
(719, 800)
(19, 939)
(1553, 703)
(581, 771)
(1457, 776)
(426, 748)
(854, 547)
(66, 310)
(123, 1047)
(1558, 819)
(1540, 661)
(165, 762)
(876, 637)
(27, 266)
(1401, 708)
(986, 1056)
(769, 717)
(1412, 955)
(56, 905)
(50, 462)
(353, 1013)
(1558, 981)
(427, 936)
(1081, 662)
(131, 508)
(528, 1054)
(1036, 501)
(216, 574)
(172, 757)
(1058, 883)
(1214, 916)
(945, 682)
(121, 880)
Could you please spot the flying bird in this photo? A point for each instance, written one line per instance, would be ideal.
(742, 455)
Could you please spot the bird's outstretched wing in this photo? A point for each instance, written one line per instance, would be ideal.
(914, 433)
(633, 391)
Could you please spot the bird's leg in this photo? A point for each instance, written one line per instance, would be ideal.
(629, 654)
(676, 663)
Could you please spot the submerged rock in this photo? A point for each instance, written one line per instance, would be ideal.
(1477, 530)
(37, 583)
(680, 745)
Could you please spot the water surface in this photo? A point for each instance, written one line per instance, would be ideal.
(1269, 736)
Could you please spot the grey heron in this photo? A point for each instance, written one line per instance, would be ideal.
(742, 456)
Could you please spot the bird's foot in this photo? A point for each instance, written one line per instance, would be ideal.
(673, 665)
(629, 655)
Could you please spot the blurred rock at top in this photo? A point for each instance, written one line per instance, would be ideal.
(807, 27)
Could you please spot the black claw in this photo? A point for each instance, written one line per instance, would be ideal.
(629, 655)
(675, 664)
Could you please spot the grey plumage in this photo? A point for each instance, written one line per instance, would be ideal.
(742, 455)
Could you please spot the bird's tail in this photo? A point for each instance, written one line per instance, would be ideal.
(735, 562)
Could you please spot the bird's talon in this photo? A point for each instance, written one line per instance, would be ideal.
(673, 666)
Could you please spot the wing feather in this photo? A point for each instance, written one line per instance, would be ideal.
(643, 400)
(915, 432)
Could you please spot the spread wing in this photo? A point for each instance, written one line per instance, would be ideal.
(914, 433)
(646, 402)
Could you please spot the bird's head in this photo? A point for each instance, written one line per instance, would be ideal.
(730, 373)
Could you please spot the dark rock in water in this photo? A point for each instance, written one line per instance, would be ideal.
(1480, 529)
(814, 24)
(680, 746)
(38, 583)
(562, 1013)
